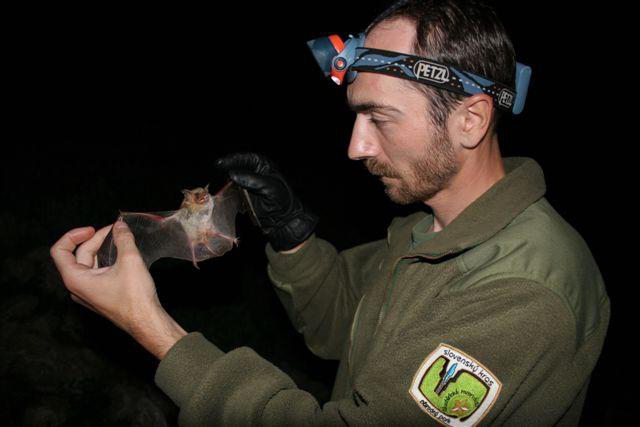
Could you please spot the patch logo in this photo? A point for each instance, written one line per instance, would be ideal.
(454, 388)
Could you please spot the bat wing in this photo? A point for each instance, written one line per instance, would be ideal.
(157, 235)
(228, 202)
(221, 235)
(164, 235)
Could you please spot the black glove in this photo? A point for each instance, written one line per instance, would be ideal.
(281, 215)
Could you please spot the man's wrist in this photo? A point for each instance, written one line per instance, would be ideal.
(296, 249)
(158, 333)
(294, 233)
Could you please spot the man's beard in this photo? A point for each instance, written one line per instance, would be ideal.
(429, 173)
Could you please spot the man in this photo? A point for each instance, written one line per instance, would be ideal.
(490, 309)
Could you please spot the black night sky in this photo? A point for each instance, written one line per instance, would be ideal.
(119, 108)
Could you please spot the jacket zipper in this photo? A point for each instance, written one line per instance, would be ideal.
(352, 336)
(385, 303)
(386, 291)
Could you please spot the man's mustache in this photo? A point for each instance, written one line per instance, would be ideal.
(380, 169)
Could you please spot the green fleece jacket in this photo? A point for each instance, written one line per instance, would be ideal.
(499, 318)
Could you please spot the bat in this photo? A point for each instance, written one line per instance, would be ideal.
(204, 227)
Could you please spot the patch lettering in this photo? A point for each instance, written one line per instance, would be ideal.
(454, 388)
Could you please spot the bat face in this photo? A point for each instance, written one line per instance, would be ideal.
(196, 199)
(203, 228)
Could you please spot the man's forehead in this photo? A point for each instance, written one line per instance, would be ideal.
(372, 91)
(371, 88)
(395, 35)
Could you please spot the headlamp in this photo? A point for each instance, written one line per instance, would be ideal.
(341, 60)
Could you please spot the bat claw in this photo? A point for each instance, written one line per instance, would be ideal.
(193, 257)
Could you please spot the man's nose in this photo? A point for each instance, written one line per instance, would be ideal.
(362, 144)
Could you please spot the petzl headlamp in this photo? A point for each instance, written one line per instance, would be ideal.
(341, 60)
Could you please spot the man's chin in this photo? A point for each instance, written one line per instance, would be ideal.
(394, 193)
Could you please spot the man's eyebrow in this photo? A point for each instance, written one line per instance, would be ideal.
(367, 107)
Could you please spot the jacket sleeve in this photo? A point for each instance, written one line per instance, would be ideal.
(518, 330)
(320, 289)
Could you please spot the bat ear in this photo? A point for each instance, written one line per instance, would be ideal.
(206, 188)
(185, 192)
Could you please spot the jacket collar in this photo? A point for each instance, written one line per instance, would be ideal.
(522, 185)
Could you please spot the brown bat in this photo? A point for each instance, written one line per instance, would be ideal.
(204, 227)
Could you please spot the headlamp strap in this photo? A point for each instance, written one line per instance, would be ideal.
(433, 73)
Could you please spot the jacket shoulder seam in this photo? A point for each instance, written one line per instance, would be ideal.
(533, 282)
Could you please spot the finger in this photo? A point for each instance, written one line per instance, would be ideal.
(250, 162)
(251, 181)
(124, 240)
(86, 253)
(235, 161)
(62, 250)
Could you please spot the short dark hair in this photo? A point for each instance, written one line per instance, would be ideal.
(464, 33)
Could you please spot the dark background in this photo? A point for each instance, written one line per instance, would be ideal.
(120, 108)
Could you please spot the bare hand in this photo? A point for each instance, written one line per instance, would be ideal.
(123, 293)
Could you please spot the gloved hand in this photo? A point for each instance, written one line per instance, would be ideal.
(281, 215)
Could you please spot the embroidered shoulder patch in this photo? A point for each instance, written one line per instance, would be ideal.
(454, 388)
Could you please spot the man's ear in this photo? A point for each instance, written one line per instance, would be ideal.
(472, 119)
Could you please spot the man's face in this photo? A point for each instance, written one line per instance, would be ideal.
(392, 132)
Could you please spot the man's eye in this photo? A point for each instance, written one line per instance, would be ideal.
(375, 122)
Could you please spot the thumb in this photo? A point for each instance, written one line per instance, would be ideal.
(124, 240)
